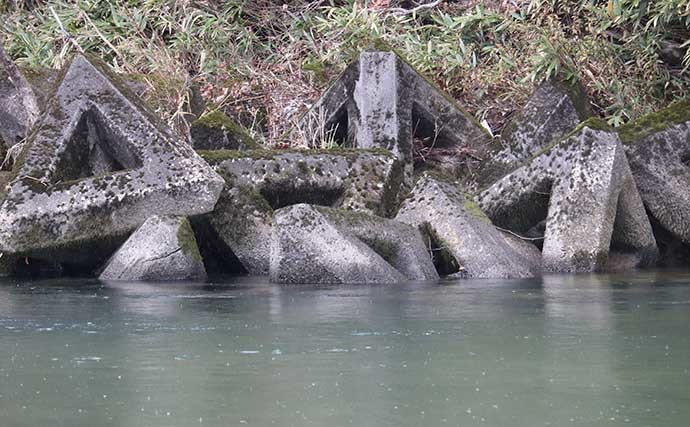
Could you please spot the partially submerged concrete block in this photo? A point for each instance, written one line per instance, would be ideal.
(217, 131)
(380, 101)
(18, 104)
(399, 244)
(96, 167)
(658, 148)
(259, 181)
(243, 222)
(583, 188)
(464, 238)
(163, 248)
(319, 245)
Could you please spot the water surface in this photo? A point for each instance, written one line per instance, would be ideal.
(560, 351)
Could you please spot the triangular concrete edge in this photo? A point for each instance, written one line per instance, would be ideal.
(427, 94)
(160, 146)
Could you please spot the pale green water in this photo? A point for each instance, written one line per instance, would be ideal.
(560, 351)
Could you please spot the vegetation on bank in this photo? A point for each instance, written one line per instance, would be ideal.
(264, 62)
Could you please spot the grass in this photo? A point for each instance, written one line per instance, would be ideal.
(265, 63)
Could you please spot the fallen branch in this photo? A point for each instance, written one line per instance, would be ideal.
(86, 17)
(66, 33)
(519, 236)
(414, 10)
(11, 156)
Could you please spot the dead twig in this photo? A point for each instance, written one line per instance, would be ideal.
(66, 33)
(11, 156)
(414, 10)
(530, 239)
(86, 17)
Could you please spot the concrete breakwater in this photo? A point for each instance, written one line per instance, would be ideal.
(96, 184)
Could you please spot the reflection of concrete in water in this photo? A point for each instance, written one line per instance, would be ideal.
(395, 339)
(183, 341)
(548, 350)
(153, 299)
(577, 298)
(581, 355)
(6, 306)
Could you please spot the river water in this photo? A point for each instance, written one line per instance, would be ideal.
(588, 350)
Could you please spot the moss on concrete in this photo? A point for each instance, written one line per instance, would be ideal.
(472, 208)
(443, 259)
(217, 156)
(593, 123)
(577, 95)
(187, 241)
(635, 131)
(386, 249)
(218, 123)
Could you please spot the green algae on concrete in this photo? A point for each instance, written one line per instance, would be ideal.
(582, 189)
(216, 131)
(635, 131)
(187, 240)
(89, 181)
(366, 180)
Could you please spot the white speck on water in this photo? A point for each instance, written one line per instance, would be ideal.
(87, 359)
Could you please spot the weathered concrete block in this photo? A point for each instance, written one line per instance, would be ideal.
(658, 148)
(259, 181)
(321, 245)
(554, 110)
(456, 225)
(18, 104)
(243, 221)
(380, 101)
(163, 248)
(583, 188)
(399, 244)
(97, 165)
(360, 180)
(216, 131)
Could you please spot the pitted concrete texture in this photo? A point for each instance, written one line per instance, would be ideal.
(97, 165)
(583, 188)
